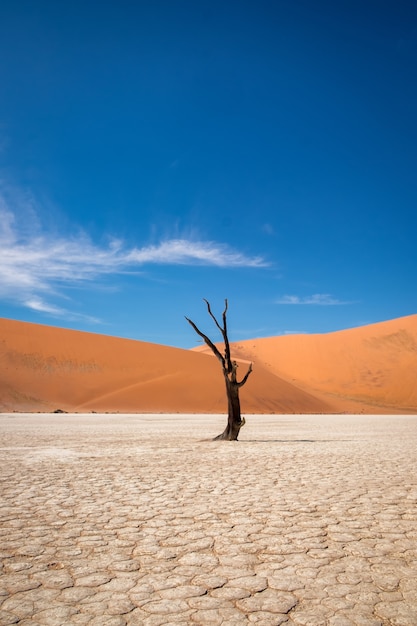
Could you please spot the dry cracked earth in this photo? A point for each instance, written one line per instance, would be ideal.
(114, 520)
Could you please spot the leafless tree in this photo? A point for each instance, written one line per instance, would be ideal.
(229, 368)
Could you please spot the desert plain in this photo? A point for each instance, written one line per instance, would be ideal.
(114, 520)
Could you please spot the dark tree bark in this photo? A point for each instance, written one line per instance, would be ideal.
(229, 368)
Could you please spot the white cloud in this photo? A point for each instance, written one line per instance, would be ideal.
(322, 299)
(37, 304)
(185, 252)
(34, 264)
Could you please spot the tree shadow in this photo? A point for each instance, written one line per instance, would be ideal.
(289, 440)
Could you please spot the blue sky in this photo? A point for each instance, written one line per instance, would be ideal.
(156, 153)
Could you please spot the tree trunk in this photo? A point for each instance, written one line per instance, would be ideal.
(234, 420)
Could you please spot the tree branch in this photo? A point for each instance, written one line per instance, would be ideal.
(245, 378)
(223, 330)
(208, 342)
(226, 340)
(213, 316)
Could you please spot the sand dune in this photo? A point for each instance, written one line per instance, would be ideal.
(44, 368)
(374, 364)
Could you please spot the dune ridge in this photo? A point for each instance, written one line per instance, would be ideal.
(366, 369)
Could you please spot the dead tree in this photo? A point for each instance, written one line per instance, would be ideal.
(229, 367)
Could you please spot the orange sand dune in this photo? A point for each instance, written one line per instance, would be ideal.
(375, 364)
(43, 368)
(370, 369)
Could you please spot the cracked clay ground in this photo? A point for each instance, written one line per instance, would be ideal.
(114, 520)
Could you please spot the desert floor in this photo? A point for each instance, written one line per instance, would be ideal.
(136, 519)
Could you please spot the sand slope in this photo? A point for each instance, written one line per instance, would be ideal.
(368, 369)
(44, 368)
(375, 364)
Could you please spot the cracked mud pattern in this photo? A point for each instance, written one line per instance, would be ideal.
(124, 520)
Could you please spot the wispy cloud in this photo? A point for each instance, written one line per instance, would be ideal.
(35, 267)
(322, 299)
(37, 304)
(186, 252)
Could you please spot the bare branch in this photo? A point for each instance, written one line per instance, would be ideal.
(208, 342)
(223, 331)
(213, 317)
(226, 340)
(245, 378)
